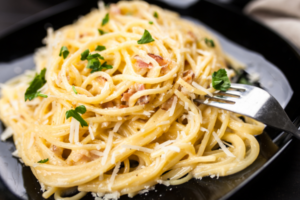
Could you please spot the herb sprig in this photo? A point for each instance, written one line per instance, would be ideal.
(37, 83)
(155, 14)
(64, 52)
(105, 19)
(146, 38)
(75, 114)
(101, 32)
(74, 89)
(220, 80)
(44, 161)
(209, 42)
(94, 61)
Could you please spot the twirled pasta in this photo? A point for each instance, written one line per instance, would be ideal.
(144, 127)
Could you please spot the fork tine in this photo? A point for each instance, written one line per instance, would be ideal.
(230, 94)
(225, 99)
(238, 87)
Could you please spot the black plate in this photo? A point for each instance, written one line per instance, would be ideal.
(17, 181)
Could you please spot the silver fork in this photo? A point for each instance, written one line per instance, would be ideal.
(253, 102)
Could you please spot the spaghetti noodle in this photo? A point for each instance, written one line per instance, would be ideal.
(113, 112)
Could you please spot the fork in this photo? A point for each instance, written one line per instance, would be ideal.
(252, 102)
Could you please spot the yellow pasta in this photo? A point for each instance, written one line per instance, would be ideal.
(143, 126)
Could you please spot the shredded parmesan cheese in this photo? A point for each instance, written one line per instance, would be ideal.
(172, 109)
(163, 123)
(91, 131)
(223, 147)
(108, 147)
(117, 126)
(7, 133)
(199, 87)
(144, 149)
(114, 174)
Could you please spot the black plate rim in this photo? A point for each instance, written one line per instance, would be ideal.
(73, 3)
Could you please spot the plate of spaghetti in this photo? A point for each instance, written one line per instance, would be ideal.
(108, 111)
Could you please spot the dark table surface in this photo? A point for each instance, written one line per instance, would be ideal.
(280, 181)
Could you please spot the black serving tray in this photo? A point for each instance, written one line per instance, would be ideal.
(17, 181)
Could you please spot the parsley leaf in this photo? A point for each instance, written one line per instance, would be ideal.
(85, 54)
(96, 55)
(74, 89)
(37, 83)
(106, 66)
(146, 38)
(100, 48)
(105, 19)
(220, 80)
(44, 161)
(64, 52)
(150, 22)
(101, 32)
(74, 113)
(96, 66)
(155, 14)
(209, 42)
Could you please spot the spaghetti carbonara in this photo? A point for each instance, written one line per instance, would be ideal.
(110, 108)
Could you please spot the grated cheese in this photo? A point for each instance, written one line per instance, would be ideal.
(91, 131)
(15, 154)
(203, 129)
(108, 147)
(112, 196)
(172, 109)
(76, 131)
(186, 105)
(117, 126)
(31, 141)
(163, 123)
(139, 148)
(223, 147)
(114, 174)
(97, 153)
(7, 133)
(199, 87)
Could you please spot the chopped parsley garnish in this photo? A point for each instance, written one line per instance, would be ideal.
(105, 19)
(85, 54)
(243, 80)
(74, 89)
(37, 83)
(94, 62)
(96, 66)
(100, 48)
(220, 80)
(64, 52)
(209, 42)
(44, 161)
(150, 22)
(95, 55)
(146, 38)
(101, 32)
(75, 114)
(155, 14)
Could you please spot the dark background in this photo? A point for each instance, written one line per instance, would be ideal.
(279, 181)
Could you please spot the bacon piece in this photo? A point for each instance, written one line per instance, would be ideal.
(132, 90)
(114, 9)
(188, 76)
(193, 36)
(108, 105)
(56, 150)
(168, 104)
(122, 106)
(141, 63)
(144, 100)
(158, 59)
(101, 80)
